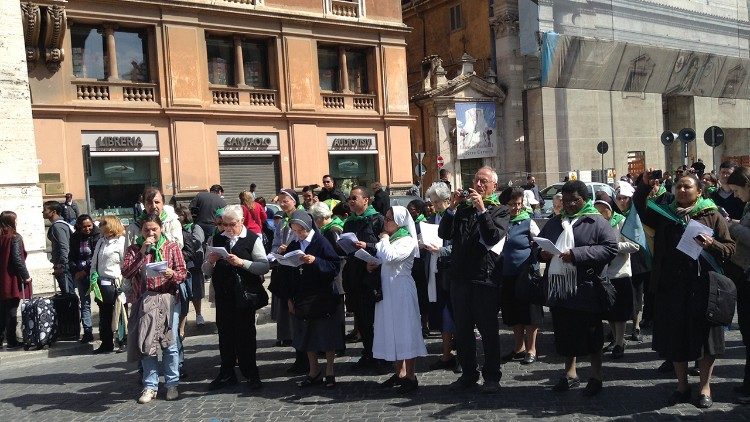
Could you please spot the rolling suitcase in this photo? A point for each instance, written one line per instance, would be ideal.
(38, 322)
(68, 316)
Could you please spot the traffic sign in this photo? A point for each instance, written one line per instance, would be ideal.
(713, 136)
(420, 170)
(440, 161)
(420, 156)
(602, 147)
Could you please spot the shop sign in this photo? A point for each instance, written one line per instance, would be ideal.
(120, 141)
(248, 141)
(352, 143)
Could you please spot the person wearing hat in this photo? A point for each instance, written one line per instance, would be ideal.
(313, 282)
(619, 274)
(280, 286)
(398, 330)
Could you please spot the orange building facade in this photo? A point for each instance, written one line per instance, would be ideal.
(185, 94)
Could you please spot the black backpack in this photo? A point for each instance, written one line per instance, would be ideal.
(191, 247)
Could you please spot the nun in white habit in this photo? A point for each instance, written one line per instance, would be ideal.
(398, 330)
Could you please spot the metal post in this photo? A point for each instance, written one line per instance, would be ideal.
(604, 177)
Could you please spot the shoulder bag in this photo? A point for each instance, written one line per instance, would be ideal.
(722, 294)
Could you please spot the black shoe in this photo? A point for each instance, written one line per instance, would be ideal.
(87, 338)
(408, 385)
(704, 402)
(678, 397)
(364, 364)
(13, 345)
(490, 387)
(566, 383)
(443, 364)
(513, 356)
(463, 383)
(618, 352)
(393, 381)
(694, 371)
(636, 336)
(222, 381)
(254, 384)
(528, 359)
(103, 349)
(329, 382)
(665, 367)
(593, 387)
(352, 337)
(297, 368)
(742, 389)
(458, 369)
(310, 381)
(608, 348)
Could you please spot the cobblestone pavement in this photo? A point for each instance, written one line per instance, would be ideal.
(85, 387)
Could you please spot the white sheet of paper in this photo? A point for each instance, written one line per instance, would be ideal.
(429, 234)
(155, 269)
(365, 256)
(346, 242)
(497, 248)
(547, 245)
(688, 245)
(291, 259)
(223, 254)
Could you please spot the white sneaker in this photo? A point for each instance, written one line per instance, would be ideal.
(199, 320)
(147, 395)
(172, 393)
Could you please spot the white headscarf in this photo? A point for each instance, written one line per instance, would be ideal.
(402, 218)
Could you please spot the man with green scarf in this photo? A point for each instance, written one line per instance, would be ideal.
(363, 287)
(474, 223)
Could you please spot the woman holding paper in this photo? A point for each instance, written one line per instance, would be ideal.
(155, 294)
(398, 332)
(517, 312)
(314, 299)
(681, 283)
(107, 276)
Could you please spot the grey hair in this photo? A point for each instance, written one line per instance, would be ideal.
(440, 190)
(493, 173)
(320, 211)
(232, 213)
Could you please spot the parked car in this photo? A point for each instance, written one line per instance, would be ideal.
(550, 191)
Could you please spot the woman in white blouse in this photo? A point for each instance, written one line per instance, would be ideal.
(398, 328)
(106, 278)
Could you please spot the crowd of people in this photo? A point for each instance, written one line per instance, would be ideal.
(450, 265)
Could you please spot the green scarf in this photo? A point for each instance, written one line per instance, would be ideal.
(659, 192)
(616, 218)
(490, 200)
(588, 209)
(711, 190)
(188, 227)
(155, 249)
(401, 232)
(335, 222)
(370, 211)
(420, 218)
(94, 286)
(670, 211)
(523, 215)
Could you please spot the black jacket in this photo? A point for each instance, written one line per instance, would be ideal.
(334, 194)
(74, 256)
(316, 278)
(224, 275)
(472, 261)
(381, 202)
(355, 270)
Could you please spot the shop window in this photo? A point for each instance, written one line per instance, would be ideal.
(220, 61)
(255, 64)
(131, 47)
(456, 18)
(344, 69)
(349, 171)
(87, 43)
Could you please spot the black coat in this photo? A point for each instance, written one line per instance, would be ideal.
(471, 261)
(224, 275)
(333, 194)
(316, 278)
(74, 256)
(381, 202)
(355, 272)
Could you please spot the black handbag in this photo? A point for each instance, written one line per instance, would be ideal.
(316, 306)
(530, 284)
(722, 294)
(607, 294)
(245, 299)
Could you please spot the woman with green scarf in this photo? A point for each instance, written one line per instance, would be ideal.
(588, 244)
(681, 331)
(398, 331)
(619, 273)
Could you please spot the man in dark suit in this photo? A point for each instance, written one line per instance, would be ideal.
(381, 202)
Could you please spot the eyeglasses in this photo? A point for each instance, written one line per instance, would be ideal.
(483, 181)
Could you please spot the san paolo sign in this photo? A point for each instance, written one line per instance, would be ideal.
(248, 141)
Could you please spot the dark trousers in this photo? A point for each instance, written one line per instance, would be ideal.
(8, 320)
(648, 300)
(105, 324)
(237, 342)
(476, 305)
(65, 282)
(741, 279)
(365, 315)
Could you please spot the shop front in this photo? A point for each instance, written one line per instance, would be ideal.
(352, 160)
(122, 165)
(246, 158)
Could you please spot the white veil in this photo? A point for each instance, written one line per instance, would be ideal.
(402, 218)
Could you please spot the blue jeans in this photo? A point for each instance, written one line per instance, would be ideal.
(83, 293)
(170, 363)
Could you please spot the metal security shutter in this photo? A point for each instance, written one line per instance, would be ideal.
(238, 172)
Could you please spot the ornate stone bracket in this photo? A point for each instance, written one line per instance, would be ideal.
(31, 28)
(505, 24)
(55, 33)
